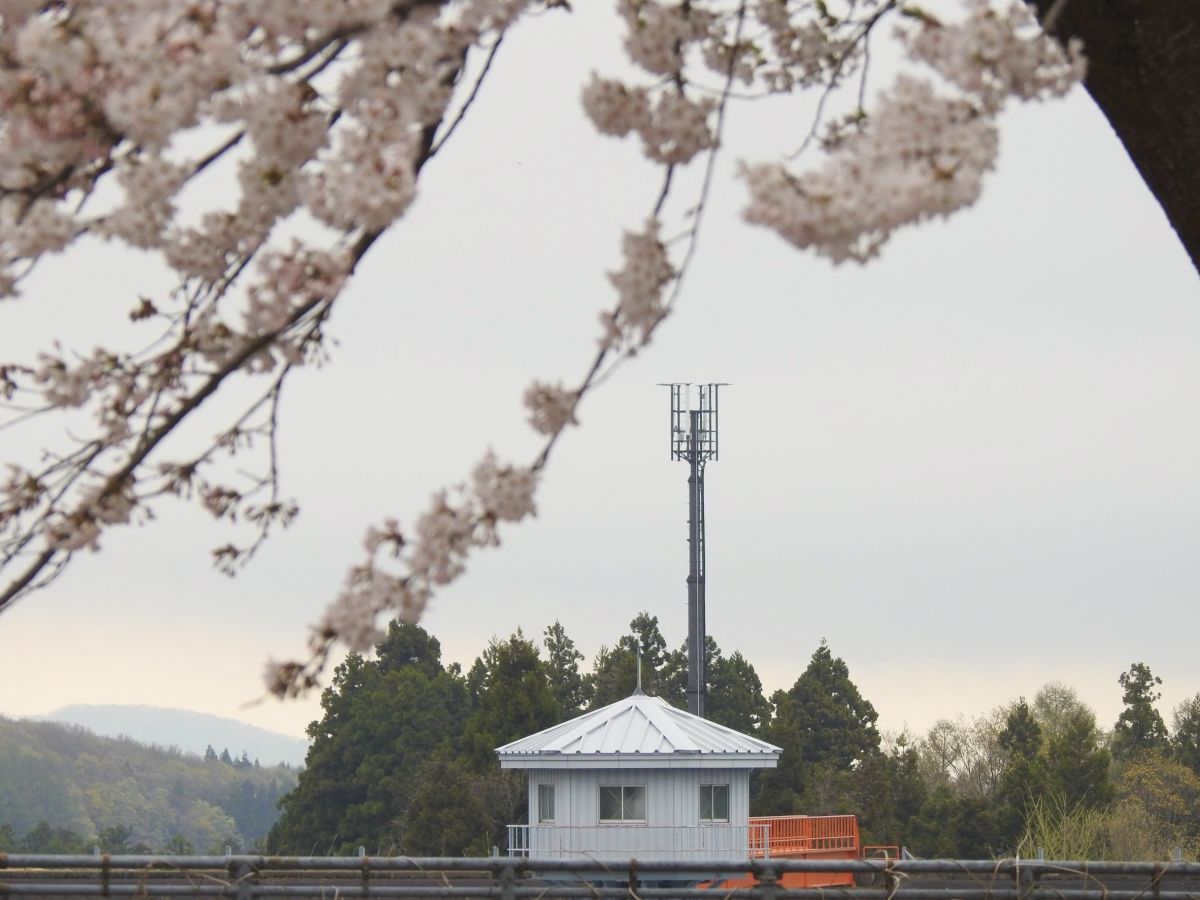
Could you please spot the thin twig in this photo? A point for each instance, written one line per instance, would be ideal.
(710, 165)
(462, 112)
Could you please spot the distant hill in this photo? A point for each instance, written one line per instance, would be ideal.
(190, 731)
(56, 777)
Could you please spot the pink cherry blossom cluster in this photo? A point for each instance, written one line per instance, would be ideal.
(640, 285)
(994, 55)
(918, 152)
(922, 156)
(551, 407)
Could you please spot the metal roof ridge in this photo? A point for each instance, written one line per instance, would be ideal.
(678, 737)
(633, 714)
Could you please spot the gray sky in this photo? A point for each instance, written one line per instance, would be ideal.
(971, 466)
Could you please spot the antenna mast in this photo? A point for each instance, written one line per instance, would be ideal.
(694, 440)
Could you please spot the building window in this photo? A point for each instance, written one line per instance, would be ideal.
(622, 803)
(714, 803)
(545, 809)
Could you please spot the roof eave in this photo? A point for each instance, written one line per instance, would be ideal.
(678, 760)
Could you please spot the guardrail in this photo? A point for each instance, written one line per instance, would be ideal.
(809, 834)
(250, 877)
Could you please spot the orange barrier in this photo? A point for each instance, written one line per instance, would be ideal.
(802, 837)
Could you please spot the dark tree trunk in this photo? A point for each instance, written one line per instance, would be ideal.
(1144, 72)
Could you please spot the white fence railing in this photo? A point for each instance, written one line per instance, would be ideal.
(648, 842)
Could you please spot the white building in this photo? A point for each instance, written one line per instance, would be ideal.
(639, 778)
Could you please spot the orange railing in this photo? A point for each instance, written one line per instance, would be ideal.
(790, 835)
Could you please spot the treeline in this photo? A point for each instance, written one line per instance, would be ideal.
(64, 789)
(1043, 775)
(402, 760)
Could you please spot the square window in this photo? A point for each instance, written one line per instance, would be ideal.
(610, 804)
(633, 804)
(714, 803)
(545, 803)
(622, 803)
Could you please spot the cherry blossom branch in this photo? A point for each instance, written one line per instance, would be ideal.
(345, 146)
(860, 38)
(119, 480)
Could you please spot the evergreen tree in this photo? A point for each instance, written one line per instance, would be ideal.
(514, 700)
(226, 758)
(671, 681)
(210, 755)
(383, 718)
(1185, 737)
(562, 665)
(835, 722)
(908, 793)
(1023, 779)
(825, 728)
(646, 640)
(614, 672)
(1139, 727)
(1077, 766)
(735, 694)
(447, 816)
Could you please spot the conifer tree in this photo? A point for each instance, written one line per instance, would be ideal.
(562, 664)
(1185, 736)
(1139, 727)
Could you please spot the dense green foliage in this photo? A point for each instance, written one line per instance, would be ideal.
(402, 761)
(64, 789)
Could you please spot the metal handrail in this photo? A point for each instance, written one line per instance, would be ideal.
(250, 877)
(713, 840)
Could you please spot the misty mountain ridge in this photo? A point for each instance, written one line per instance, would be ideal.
(191, 732)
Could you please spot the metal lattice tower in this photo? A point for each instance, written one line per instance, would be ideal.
(694, 440)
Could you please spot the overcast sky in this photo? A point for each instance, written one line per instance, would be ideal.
(973, 466)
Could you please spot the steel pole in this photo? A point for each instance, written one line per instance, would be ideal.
(695, 580)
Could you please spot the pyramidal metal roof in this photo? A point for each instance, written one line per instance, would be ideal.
(640, 731)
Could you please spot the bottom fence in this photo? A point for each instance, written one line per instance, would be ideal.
(250, 877)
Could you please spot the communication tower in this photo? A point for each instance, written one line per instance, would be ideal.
(694, 440)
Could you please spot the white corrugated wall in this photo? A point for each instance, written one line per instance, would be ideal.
(672, 804)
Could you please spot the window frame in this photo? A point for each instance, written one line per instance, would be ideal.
(546, 791)
(710, 790)
(623, 788)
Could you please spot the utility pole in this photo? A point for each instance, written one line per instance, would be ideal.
(694, 440)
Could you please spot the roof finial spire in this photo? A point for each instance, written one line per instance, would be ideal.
(638, 689)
